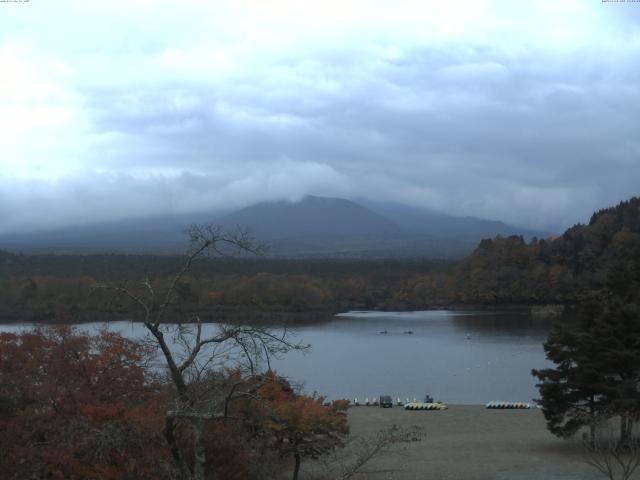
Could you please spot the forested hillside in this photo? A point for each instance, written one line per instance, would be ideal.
(586, 258)
(501, 271)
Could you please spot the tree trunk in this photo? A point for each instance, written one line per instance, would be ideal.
(625, 429)
(296, 468)
(176, 374)
(170, 435)
(170, 421)
(592, 423)
(199, 453)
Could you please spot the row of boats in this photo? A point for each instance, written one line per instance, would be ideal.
(385, 401)
(430, 404)
(425, 406)
(507, 405)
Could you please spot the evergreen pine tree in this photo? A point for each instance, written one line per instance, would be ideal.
(597, 372)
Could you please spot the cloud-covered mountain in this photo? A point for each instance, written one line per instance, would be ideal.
(313, 216)
(522, 111)
(311, 227)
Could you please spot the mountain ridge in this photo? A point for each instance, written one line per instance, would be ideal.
(309, 228)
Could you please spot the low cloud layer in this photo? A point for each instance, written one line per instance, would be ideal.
(526, 114)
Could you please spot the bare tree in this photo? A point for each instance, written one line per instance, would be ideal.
(361, 451)
(607, 453)
(191, 351)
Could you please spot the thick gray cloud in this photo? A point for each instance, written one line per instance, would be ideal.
(526, 113)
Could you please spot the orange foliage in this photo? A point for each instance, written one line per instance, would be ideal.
(302, 425)
(76, 406)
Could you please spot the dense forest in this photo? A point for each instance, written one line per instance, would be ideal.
(561, 270)
(501, 271)
(50, 288)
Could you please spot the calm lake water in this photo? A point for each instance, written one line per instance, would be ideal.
(457, 357)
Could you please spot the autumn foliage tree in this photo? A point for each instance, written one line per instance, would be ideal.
(76, 406)
(301, 426)
(566, 269)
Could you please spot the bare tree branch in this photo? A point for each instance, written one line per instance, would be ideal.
(610, 456)
(197, 402)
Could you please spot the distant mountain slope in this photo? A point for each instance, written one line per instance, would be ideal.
(158, 234)
(422, 221)
(313, 227)
(321, 226)
(311, 217)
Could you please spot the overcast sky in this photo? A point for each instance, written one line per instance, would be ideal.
(527, 112)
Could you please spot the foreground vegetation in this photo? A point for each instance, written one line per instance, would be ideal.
(74, 406)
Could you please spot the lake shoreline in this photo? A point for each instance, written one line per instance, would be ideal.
(284, 318)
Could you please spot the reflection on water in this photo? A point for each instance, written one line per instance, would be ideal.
(505, 324)
(455, 356)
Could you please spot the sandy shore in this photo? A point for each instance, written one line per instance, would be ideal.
(471, 442)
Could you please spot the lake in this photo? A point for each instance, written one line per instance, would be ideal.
(459, 357)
